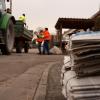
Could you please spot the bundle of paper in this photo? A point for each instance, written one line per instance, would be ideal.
(87, 88)
(85, 53)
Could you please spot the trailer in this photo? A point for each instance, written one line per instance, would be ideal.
(23, 37)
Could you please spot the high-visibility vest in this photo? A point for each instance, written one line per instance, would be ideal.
(22, 18)
(47, 35)
(40, 38)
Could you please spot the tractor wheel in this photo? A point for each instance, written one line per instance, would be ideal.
(26, 47)
(19, 46)
(9, 39)
(26, 50)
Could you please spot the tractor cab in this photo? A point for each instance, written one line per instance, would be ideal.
(5, 6)
(2, 6)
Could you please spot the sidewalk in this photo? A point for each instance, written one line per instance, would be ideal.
(49, 87)
(54, 86)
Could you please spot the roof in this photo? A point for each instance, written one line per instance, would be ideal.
(96, 15)
(74, 23)
(70, 31)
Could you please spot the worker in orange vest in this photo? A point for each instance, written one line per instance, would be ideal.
(40, 39)
(47, 38)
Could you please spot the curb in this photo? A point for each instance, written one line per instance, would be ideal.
(42, 87)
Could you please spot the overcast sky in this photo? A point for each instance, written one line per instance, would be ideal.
(45, 13)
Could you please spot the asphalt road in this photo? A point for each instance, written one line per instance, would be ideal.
(20, 74)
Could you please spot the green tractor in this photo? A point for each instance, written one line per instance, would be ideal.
(7, 22)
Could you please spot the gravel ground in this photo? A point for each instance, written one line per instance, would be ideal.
(54, 86)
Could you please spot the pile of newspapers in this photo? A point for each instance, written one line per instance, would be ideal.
(85, 53)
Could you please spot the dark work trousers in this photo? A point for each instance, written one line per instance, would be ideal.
(46, 47)
(39, 47)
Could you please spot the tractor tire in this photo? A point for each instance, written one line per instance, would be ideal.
(26, 50)
(19, 46)
(26, 47)
(8, 39)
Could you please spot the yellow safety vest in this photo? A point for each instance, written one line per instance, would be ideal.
(22, 18)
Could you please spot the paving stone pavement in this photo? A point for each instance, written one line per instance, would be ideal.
(54, 86)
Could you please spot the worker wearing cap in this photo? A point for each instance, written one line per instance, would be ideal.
(23, 18)
(47, 38)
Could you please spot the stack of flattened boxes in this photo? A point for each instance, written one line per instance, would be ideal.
(85, 53)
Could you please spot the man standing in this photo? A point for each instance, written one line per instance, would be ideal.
(23, 18)
(47, 39)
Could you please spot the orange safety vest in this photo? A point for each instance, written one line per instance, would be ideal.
(47, 35)
(39, 39)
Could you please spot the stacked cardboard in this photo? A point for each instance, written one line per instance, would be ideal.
(83, 60)
(87, 88)
(84, 88)
(85, 53)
